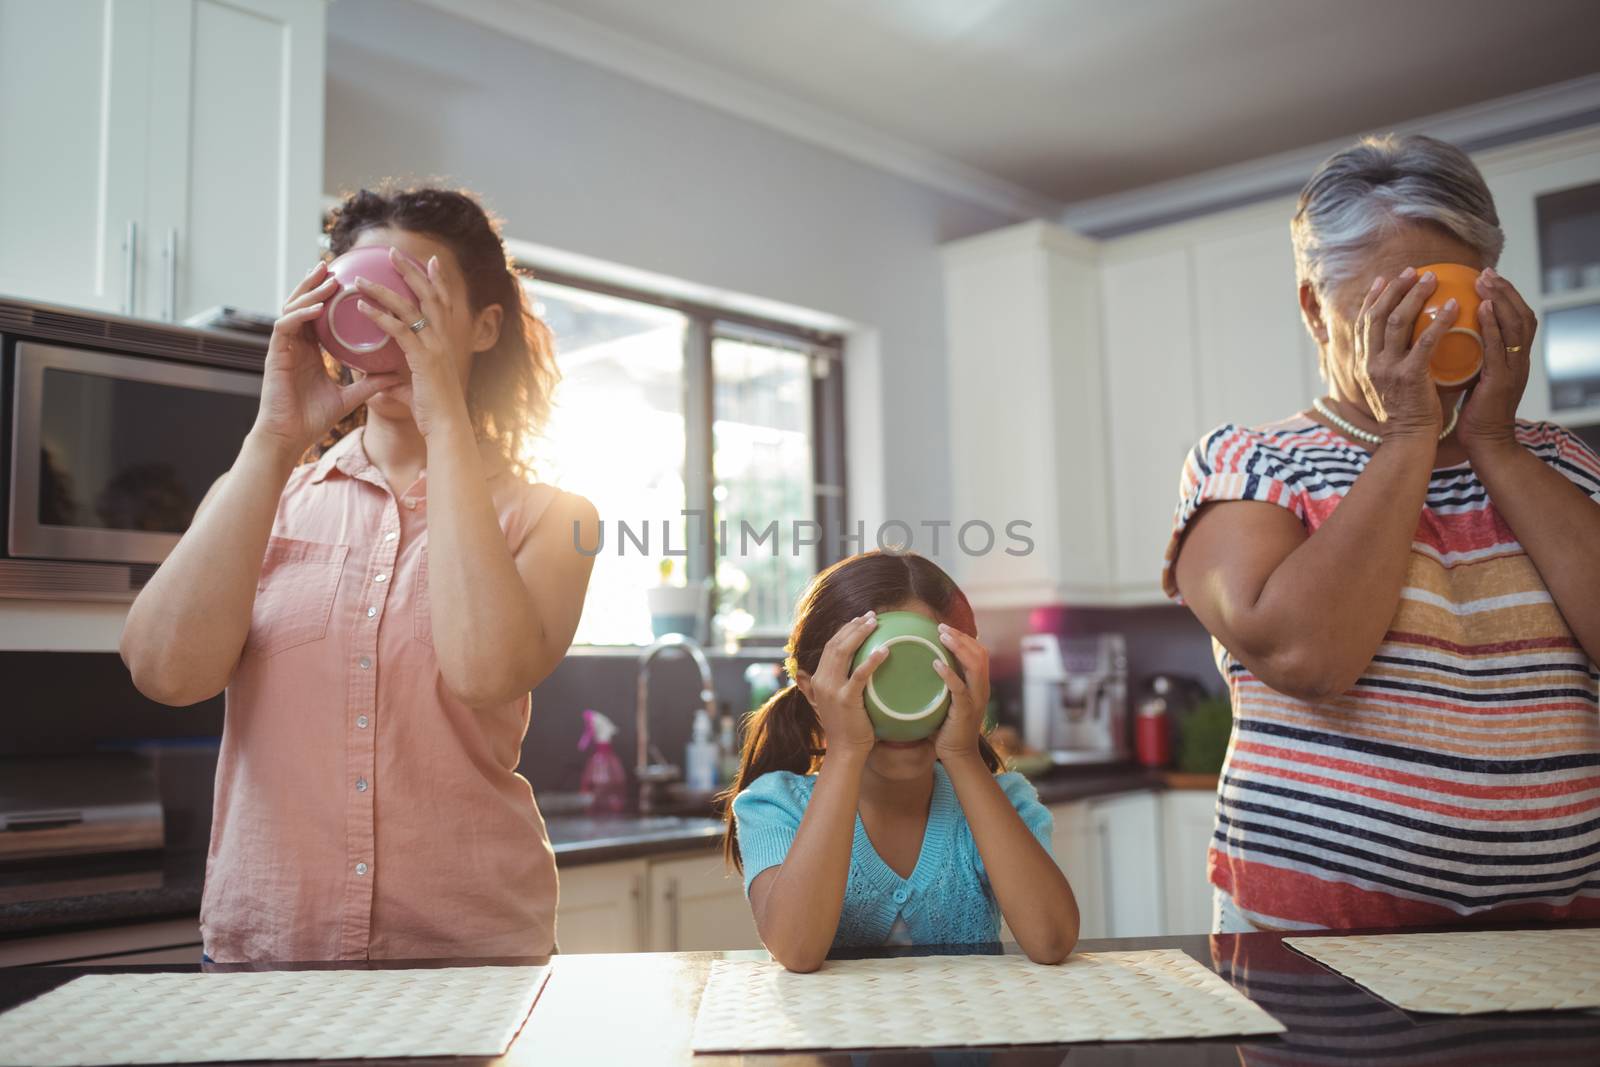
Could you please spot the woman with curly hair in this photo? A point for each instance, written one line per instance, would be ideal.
(378, 586)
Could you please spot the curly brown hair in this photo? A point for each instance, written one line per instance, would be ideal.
(510, 386)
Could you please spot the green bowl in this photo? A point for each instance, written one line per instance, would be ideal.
(905, 699)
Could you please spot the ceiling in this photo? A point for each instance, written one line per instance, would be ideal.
(1078, 99)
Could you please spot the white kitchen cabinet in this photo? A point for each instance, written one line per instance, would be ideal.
(236, 173)
(1518, 176)
(697, 903)
(165, 157)
(74, 95)
(1255, 361)
(161, 941)
(602, 907)
(1073, 843)
(1152, 387)
(1082, 373)
(1188, 817)
(1201, 326)
(1127, 842)
(1027, 415)
(1110, 850)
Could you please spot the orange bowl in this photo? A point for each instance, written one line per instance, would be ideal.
(1459, 355)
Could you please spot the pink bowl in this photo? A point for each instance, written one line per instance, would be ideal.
(344, 329)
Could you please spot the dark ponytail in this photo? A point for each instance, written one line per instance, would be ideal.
(785, 734)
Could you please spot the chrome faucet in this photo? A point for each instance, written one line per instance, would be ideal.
(657, 773)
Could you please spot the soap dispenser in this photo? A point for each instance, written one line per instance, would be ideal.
(700, 758)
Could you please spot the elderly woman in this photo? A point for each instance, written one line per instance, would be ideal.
(1403, 587)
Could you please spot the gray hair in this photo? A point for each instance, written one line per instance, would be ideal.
(1361, 194)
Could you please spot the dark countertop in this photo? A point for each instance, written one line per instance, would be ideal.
(1068, 784)
(580, 839)
(166, 885)
(102, 892)
(640, 1008)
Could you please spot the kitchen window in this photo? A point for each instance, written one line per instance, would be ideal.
(667, 407)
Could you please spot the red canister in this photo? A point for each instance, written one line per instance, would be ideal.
(1152, 740)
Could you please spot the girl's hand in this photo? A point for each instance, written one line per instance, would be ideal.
(969, 696)
(1489, 417)
(1393, 372)
(836, 692)
(434, 393)
(299, 401)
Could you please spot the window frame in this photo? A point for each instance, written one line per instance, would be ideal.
(705, 324)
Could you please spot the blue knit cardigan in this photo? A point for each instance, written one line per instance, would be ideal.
(946, 901)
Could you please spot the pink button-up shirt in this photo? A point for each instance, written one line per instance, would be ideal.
(361, 810)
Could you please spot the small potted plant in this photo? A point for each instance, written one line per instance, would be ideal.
(677, 607)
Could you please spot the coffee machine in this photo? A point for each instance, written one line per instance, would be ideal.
(1075, 697)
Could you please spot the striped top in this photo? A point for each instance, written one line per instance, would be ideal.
(1461, 773)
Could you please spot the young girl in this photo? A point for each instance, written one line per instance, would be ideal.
(378, 618)
(846, 840)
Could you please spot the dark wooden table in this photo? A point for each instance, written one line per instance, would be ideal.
(639, 1008)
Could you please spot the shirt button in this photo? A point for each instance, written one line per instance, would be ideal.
(361, 785)
(371, 612)
(361, 868)
(361, 721)
(390, 536)
(365, 661)
(381, 578)
(900, 896)
(410, 502)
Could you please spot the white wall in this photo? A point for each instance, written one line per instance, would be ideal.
(584, 160)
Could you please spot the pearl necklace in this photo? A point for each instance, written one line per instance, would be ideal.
(1349, 429)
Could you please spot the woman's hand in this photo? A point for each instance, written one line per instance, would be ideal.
(434, 354)
(1393, 372)
(836, 691)
(1505, 321)
(969, 696)
(299, 401)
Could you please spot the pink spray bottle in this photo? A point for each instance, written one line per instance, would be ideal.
(603, 776)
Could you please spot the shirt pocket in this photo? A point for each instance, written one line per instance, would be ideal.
(294, 597)
(422, 607)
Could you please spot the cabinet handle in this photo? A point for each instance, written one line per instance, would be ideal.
(130, 266)
(169, 304)
(641, 917)
(671, 895)
(1106, 895)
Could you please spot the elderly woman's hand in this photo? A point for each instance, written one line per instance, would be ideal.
(1507, 325)
(1393, 372)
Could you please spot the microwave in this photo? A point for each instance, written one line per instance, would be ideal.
(115, 429)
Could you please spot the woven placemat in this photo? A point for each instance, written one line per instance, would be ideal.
(271, 1015)
(946, 1001)
(1468, 973)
